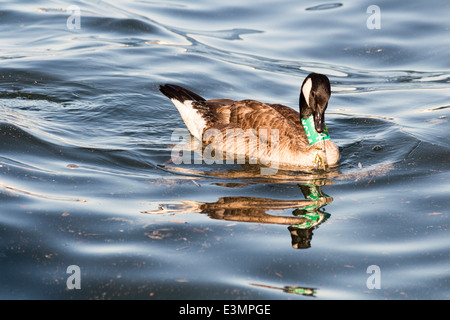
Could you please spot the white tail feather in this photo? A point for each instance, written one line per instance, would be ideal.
(191, 117)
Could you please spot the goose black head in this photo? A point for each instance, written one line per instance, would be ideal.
(314, 96)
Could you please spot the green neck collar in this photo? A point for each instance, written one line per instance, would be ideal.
(311, 133)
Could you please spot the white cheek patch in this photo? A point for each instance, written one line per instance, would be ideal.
(307, 90)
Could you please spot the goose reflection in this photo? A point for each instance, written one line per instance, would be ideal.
(307, 214)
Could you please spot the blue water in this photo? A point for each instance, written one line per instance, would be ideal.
(86, 140)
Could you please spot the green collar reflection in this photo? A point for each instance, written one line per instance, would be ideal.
(301, 234)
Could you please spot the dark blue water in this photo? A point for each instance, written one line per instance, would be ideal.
(86, 140)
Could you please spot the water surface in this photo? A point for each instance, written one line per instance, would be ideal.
(86, 140)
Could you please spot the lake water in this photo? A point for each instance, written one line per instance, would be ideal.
(86, 140)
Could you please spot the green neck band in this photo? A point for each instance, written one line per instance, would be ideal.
(311, 133)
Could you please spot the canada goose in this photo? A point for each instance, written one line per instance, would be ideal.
(282, 134)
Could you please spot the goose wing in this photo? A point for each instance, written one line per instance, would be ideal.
(254, 115)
